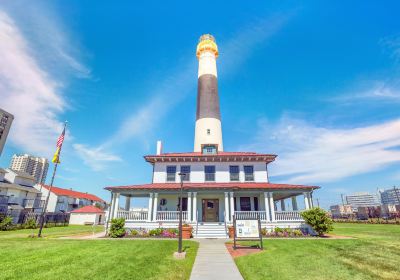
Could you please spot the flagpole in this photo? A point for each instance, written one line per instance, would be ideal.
(44, 209)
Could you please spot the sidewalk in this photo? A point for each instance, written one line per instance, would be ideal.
(213, 261)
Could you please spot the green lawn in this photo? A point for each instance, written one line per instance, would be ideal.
(373, 254)
(52, 232)
(51, 258)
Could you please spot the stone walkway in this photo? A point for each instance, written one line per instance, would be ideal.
(213, 261)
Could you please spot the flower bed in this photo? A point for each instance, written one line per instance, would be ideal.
(154, 233)
(285, 232)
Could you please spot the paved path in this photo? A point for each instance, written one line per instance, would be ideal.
(213, 261)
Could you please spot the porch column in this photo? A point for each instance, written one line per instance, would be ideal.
(127, 202)
(252, 203)
(195, 207)
(155, 207)
(232, 207)
(189, 207)
(283, 207)
(272, 206)
(227, 207)
(294, 204)
(116, 204)
(150, 209)
(310, 200)
(266, 202)
(112, 206)
(306, 201)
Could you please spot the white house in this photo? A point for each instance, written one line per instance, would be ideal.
(217, 185)
(17, 194)
(66, 200)
(87, 215)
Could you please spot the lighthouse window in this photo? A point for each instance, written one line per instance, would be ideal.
(171, 172)
(209, 149)
(208, 131)
(209, 171)
(248, 173)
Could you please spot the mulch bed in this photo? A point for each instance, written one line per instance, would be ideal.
(241, 251)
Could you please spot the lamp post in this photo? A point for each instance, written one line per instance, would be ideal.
(181, 175)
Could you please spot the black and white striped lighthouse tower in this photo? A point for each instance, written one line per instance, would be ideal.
(208, 130)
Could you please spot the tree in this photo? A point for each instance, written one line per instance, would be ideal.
(318, 219)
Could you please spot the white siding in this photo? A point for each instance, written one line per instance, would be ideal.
(222, 171)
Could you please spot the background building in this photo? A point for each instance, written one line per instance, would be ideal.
(66, 200)
(362, 199)
(390, 196)
(5, 124)
(35, 166)
(341, 211)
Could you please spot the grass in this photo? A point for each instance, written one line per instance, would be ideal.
(52, 232)
(373, 254)
(52, 258)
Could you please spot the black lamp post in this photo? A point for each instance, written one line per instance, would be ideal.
(181, 175)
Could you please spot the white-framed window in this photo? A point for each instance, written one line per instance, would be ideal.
(171, 173)
(234, 172)
(186, 170)
(209, 171)
(249, 173)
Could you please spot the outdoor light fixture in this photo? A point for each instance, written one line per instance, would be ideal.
(180, 254)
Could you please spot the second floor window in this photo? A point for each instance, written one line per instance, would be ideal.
(209, 171)
(186, 169)
(209, 149)
(248, 173)
(171, 172)
(234, 172)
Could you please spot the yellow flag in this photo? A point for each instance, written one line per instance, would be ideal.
(56, 157)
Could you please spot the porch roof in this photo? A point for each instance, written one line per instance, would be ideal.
(231, 185)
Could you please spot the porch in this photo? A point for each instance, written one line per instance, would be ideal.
(273, 207)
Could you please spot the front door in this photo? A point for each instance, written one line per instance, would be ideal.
(210, 210)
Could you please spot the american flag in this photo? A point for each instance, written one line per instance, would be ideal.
(61, 139)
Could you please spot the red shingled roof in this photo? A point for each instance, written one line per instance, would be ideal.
(175, 186)
(88, 209)
(71, 193)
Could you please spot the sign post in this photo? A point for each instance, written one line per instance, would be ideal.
(247, 229)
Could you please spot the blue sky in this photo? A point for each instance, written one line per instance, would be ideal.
(317, 83)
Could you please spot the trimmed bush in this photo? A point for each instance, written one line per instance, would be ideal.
(318, 219)
(30, 223)
(6, 223)
(117, 228)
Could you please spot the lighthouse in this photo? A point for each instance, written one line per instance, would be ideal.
(208, 132)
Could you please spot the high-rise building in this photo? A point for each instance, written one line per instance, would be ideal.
(35, 166)
(5, 124)
(362, 199)
(390, 196)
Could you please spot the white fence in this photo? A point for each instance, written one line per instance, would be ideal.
(250, 215)
(288, 216)
(132, 215)
(170, 216)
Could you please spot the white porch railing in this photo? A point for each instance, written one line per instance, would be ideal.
(288, 216)
(171, 215)
(251, 215)
(132, 215)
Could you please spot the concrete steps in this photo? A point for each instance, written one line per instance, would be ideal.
(210, 230)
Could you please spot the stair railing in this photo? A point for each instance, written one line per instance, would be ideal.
(226, 230)
(197, 221)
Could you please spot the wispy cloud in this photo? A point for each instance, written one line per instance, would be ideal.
(392, 45)
(175, 87)
(32, 78)
(312, 154)
(95, 158)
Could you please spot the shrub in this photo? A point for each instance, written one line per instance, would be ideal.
(278, 229)
(318, 219)
(297, 232)
(6, 223)
(264, 231)
(156, 232)
(30, 223)
(117, 228)
(134, 232)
